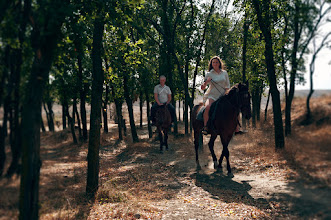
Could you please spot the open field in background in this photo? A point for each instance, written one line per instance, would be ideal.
(137, 182)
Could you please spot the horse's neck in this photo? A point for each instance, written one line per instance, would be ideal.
(234, 100)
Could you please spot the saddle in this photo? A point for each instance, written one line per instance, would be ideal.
(212, 113)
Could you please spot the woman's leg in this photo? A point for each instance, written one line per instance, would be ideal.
(206, 113)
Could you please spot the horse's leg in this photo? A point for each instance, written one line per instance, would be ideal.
(165, 132)
(196, 146)
(225, 153)
(200, 141)
(211, 148)
(160, 138)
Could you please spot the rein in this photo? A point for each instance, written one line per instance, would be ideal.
(219, 85)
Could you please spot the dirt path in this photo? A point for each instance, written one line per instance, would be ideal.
(167, 186)
(138, 182)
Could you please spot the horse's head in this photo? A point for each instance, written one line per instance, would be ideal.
(245, 100)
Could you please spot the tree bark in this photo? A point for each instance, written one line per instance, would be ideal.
(105, 109)
(264, 23)
(150, 133)
(141, 103)
(44, 44)
(96, 104)
(130, 108)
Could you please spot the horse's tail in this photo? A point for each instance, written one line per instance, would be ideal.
(195, 111)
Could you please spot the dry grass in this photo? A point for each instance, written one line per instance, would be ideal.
(133, 179)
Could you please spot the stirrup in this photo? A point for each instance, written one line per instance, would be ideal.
(204, 130)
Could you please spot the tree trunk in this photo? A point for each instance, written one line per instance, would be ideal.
(141, 103)
(105, 104)
(78, 120)
(118, 106)
(266, 106)
(49, 115)
(130, 108)
(264, 23)
(246, 25)
(150, 133)
(44, 44)
(82, 87)
(64, 115)
(294, 64)
(96, 104)
(3, 130)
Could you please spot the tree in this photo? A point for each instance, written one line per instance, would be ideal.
(44, 41)
(262, 10)
(96, 104)
(302, 25)
(324, 42)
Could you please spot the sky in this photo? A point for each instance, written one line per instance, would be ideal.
(322, 74)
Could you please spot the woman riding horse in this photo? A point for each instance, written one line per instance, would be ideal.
(223, 116)
(218, 80)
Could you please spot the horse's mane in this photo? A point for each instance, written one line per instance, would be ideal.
(229, 93)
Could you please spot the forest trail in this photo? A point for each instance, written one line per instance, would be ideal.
(167, 185)
(138, 182)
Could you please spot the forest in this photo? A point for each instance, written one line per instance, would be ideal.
(98, 62)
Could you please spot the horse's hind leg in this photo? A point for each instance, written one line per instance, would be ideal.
(196, 147)
(161, 139)
(166, 139)
(211, 148)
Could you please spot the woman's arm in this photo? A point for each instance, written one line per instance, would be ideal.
(203, 86)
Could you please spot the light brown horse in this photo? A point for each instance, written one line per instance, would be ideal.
(223, 120)
(163, 122)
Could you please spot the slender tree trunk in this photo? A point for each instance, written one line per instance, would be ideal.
(130, 108)
(264, 23)
(82, 88)
(78, 121)
(150, 133)
(294, 64)
(44, 44)
(3, 130)
(312, 70)
(246, 25)
(105, 109)
(197, 63)
(118, 106)
(141, 103)
(64, 115)
(266, 106)
(96, 104)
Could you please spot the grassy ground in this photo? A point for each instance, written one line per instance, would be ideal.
(136, 181)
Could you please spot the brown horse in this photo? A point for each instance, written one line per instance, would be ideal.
(163, 122)
(223, 120)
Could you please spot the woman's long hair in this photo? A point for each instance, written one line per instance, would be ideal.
(210, 65)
